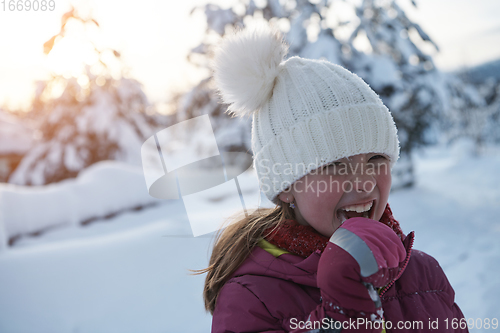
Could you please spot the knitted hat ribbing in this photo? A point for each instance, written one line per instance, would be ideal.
(306, 113)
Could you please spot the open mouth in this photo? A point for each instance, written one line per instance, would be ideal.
(359, 210)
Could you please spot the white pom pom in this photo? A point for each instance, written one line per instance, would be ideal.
(246, 65)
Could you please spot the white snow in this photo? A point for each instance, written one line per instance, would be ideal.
(454, 211)
(130, 273)
(218, 18)
(104, 188)
(325, 47)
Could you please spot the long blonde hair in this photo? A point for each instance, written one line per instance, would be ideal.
(234, 244)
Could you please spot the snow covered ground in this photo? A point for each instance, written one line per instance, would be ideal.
(130, 273)
(103, 189)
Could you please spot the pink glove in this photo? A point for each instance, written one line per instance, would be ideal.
(362, 254)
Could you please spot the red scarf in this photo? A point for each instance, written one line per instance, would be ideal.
(303, 240)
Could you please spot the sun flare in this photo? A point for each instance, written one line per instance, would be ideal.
(69, 56)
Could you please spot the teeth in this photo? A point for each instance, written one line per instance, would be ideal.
(359, 208)
(365, 209)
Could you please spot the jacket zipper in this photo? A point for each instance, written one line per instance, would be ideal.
(407, 259)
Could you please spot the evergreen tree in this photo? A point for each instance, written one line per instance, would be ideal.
(101, 118)
(474, 111)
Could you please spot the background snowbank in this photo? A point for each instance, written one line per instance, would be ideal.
(104, 188)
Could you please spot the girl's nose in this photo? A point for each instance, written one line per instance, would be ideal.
(363, 182)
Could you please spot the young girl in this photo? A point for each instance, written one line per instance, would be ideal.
(330, 256)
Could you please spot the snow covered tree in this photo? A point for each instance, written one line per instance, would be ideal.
(97, 117)
(15, 141)
(376, 40)
(405, 77)
(474, 111)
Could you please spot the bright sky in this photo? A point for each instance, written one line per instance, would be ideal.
(154, 38)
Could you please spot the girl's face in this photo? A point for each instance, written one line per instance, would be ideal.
(358, 185)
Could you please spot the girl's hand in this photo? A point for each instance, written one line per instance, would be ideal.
(362, 254)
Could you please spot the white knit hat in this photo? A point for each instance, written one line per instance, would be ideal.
(306, 113)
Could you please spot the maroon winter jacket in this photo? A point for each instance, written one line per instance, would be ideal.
(275, 294)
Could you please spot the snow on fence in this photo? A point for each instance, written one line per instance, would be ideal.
(103, 189)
